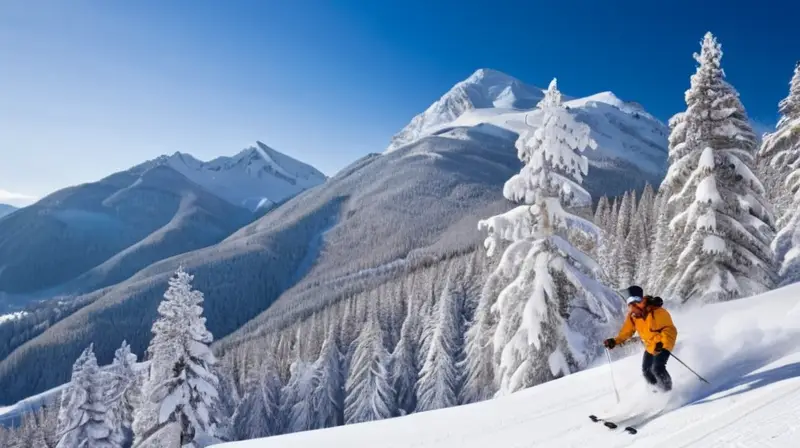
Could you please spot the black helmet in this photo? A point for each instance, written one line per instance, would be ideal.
(635, 291)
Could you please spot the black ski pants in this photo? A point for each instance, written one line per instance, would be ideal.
(654, 369)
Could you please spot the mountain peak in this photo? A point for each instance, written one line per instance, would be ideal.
(490, 74)
(484, 89)
(256, 175)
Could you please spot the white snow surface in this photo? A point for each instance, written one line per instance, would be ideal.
(747, 349)
(257, 177)
(622, 130)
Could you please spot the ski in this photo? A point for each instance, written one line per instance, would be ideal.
(611, 425)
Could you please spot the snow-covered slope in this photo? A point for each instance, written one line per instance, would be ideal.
(257, 177)
(747, 349)
(631, 143)
(5, 209)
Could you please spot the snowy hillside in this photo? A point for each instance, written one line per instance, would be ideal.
(6, 209)
(631, 142)
(257, 177)
(747, 349)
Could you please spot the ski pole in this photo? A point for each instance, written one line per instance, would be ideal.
(610, 369)
(690, 369)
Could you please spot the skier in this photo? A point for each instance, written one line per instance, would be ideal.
(654, 325)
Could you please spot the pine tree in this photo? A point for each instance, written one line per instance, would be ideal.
(600, 213)
(601, 216)
(637, 254)
(180, 401)
(661, 249)
(258, 413)
(607, 240)
(721, 224)
(645, 209)
(440, 380)
(328, 394)
(348, 332)
(549, 318)
(369, 393)
(621, 265)
(404, 361)
(122, 394)
(781, 153)
(297, 404)
(83, 419)
(479, 364)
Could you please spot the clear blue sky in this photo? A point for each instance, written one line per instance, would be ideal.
(92, 87)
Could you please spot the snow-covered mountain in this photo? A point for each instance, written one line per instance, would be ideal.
(485, 89)
(257, 177)
(381, 217)
(6, 209)
(747, 349)
(632, 144)
(102, 232)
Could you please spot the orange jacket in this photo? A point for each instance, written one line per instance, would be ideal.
(656, 326)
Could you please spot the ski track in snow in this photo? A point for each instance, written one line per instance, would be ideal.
(747, 348)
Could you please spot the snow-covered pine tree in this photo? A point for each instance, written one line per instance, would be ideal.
(440, 380)
(297, 406)
(601, 216)
(621, 266)
(661, 246)
(180, 403)
(607, 240)
(779, 155)
(634, 205)
(284, 356)
(552, 315)
(645, 208)
(258, 413)
(328, 394)
(636, 252)
(427, 313)
(479, 365)
(122, 394)
(600, 213)
(83, 419)
(404, 361)
(781, 152)
(348, 331)
(721, 224)
(369, 394)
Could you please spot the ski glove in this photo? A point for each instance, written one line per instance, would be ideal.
(610, 343)
(659, 347)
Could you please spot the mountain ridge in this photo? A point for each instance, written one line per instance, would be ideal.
(6, 209)
(256, 177)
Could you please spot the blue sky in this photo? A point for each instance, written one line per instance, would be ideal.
(89, 88)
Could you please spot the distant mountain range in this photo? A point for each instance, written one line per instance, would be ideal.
(5, 209)
(94, 235)
(416, 204)
(257, 177)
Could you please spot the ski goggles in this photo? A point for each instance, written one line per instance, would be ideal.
(634, 299)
